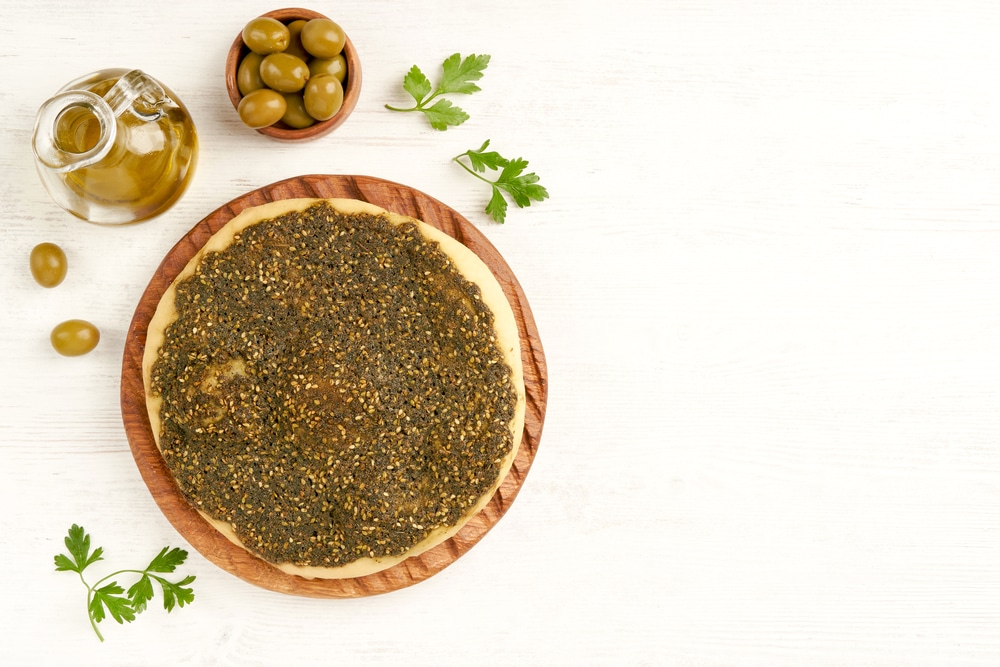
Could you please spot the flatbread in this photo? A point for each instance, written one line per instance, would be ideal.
(421, 452)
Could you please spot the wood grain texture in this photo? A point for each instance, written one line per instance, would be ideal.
(202, 536)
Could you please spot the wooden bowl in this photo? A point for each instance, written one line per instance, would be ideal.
(352, 83)
(195, 529)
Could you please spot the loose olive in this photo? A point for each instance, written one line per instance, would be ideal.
(74, 337)
(295, 47)
(283, 72)
(323, 38)
(248, 75)
(323, 96)
(335, 67)
(48, 264)
(296, 115)
(265, 35)
(261, 108)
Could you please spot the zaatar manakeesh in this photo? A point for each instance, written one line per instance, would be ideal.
(335, 387)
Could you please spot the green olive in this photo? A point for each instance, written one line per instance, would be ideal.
(74, 337)
(283, 72)
(323, 38)
(248, 75)
(296, 115)
(295, 47)
(323, 97)
(48, 264)
(261, 108)
(265, 35)
(335, 67)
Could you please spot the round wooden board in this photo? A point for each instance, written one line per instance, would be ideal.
(190, 524)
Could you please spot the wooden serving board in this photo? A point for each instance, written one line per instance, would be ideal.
(189, 523)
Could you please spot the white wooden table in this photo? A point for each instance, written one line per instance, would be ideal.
(765, 281)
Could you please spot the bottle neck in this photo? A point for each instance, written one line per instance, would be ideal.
(73, 130)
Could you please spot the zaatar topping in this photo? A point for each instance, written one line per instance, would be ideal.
(332, 388)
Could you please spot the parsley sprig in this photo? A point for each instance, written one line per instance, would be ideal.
(520, 187)
(106, 597)
(458, 76)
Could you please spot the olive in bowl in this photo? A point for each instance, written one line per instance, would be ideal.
(293, 74)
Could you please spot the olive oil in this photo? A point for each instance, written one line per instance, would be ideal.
(126, 166)
(77, 130)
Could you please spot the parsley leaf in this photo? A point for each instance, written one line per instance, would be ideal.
(167, 561)
(512, 181)
(107, 598)
(110, 596)
(444, 114)
(416, 84)
(78, 544)
(176, 594)
(140, 593)
(458, 76)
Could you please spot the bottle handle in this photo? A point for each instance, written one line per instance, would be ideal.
(135, 91)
